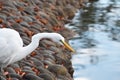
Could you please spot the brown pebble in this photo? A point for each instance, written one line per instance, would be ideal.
(49, 56)
(57, 69)
(28, 71)
(60, 77)
(26, 63)
(24, 24)
(10, 70)
(26, 40)
(55, 49)
(46, 76)
(36, 62)
(15, 65)
(47, 63)
(48, 52)
(13, 75)
(30, 76)
(26, 68)
(47, 43)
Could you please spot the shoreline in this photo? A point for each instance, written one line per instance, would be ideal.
(49, 61)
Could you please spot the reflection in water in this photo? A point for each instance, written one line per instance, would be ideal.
(98, 41)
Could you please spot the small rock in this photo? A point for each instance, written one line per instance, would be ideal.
(57, 69)
(46, 76)
(30, 76)
(10, 70)
(14, 75)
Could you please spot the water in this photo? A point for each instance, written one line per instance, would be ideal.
(97, 43)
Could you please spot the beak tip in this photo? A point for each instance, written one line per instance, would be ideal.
(73, 51)
(68, 47)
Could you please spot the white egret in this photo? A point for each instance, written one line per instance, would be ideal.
(11, 45)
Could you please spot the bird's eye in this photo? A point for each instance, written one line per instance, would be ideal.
(60, 40)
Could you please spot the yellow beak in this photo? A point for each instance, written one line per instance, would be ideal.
(68, 46)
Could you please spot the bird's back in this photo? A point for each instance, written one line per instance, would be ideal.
(10, 42)
(11, 35)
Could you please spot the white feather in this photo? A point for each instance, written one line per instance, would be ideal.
(11, 45)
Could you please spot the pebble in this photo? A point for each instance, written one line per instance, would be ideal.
(57, 69)
(10, 70)
(36, 62)
(14, 75)
(46, 76)
(30, 76)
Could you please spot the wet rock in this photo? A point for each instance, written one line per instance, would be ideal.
(39, 57)
(36, 62)
(48, 52)
(49, 56)
(53, 21)
(10, 70)
(29, 10)
(34, 29)
(26, 68)
(3, 17)
(14, 75)
(26, 40)
(4, 2)
(55, 49)
(69, 11)
(25, 63)
(67, 64)
(30, 76)
(45, 71)
(60, 3)
(61, 56)
(66, 34)
(29, 72)
(63, 78)
(57, 69)
(25, 24)
(46, 76)
(17, 27)
(47, 43)
(15, 65)
(48, 61)
(27, 18)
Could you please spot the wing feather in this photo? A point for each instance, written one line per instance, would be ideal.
(10, 42)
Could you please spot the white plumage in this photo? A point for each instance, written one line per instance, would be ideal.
(11, 45)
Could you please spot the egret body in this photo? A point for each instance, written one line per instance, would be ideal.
(11, 45)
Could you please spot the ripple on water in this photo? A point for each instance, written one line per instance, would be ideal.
(98, 43)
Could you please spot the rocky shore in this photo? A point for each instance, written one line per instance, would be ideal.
(49, 61)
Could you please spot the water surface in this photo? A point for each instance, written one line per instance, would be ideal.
(97, 43)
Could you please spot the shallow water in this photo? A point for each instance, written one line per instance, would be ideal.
(97, 43)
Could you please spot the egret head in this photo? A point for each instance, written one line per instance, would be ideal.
(56, 37)
(61, 40)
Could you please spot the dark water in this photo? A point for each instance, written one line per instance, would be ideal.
(97, 43)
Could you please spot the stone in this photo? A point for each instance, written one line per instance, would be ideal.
(57, 69)
(46, 76)
(30, 76)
